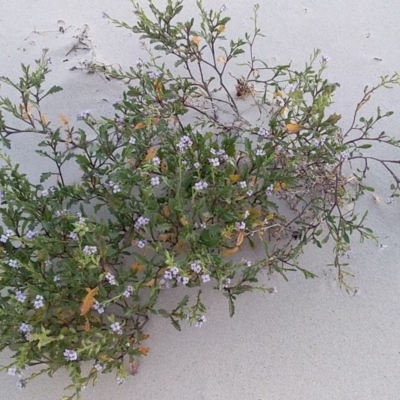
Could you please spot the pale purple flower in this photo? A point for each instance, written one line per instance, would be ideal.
(90, 250)
(70, 355)
(260, 152)
(243, 184)
(6, 235)
(31, 234)
(325, 58)
(205, 278)
(116, 327)
(14, 264)
(25, 328)
(200, 185)
(195, 267)
(12, 371)
(128, 291)
(21, 297)
(196, 165)
(38, 302)
(132, 140)
(156, 161)
(344, 155)
(240, 226)
(120, 381)
(167, 275)
(174, 271)
(21, 384)
(269, 190)
(214, 162)
(141, 221)
(97, 306)
(278, 148)
(84, 115)
(249, 192)
(99, 367)
(185, 280)
(139, 63)
(45, 193)
(141, 244)
(290, 87)
(200, 321)
(110, 278)
(57, 280)
(153, 74)
(263, 132)
(155, 181)
(184, 143)
(223, 8)
(73, 236)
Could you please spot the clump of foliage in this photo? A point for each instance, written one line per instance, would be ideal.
(173, 186)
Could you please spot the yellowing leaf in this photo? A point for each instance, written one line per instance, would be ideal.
(150, 283)
(282, 110)
(89, 300)
(269, 217)
(221, 28)
(64, 119)
(293, 128)
(229, 252)
(183, 221)
(254, 212)
(159, 91)
(196, 40)
(240, 238)
(144, 336)
(278, 94)
(279, 185)
(164, 237)
(139, 125)
(166, 211)
(164, 166)
(151, 154)
(144, 351)
(234, 178)
(137, 267)
(43, 118)
(86, 327)
(221, 59)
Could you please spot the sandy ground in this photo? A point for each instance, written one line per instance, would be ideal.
(310, 341)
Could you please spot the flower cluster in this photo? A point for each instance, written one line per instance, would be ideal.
(90, 250)
(201, 185)
(184, 143)
(5, 236)
(141, 221)
(70, 355)
(116, 327)
(200, 321)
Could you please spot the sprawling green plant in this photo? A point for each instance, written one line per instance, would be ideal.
(195, 164)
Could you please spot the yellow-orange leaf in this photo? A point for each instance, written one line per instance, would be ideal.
(229, 252)
(293, 128)
(255, 212)
(89, 300)
(279, 185)
(282, 110)
(234, 178)
(196, 40)
(144, 350)
(164, 237)
(278, 94)
(139, 125)
(221, 28)
(221, 59)
(137, 267)
(64, 119)
(159, 91)
(240, 238)
(150, 154)
(144, 336)
(166, 211)
(269, 217)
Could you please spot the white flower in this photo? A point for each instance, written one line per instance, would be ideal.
(196, 165)
(167, 275)
(132, 140)
(205, 278)
(260, 152)
(90, 250)
(325, 58)
(14, 264)
(96, 306)
(139, 63)
(128, 291)
(141, 221)
(25, 328)
(155, 181)
(263, 132)
(98, 366)
(344, 155)
(12, 371)
(249, 192)
(243, 184)
(31, 234)
(73, 236)
(174, 271)
(70, 355)
(200, 321)
(156, 161)
(141, 244)
(153, 74)
(120, 381)
(116, 188)
(240, 226)
(185, 280)
(269, 190)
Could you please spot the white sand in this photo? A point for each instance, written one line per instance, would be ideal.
(310, 341)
